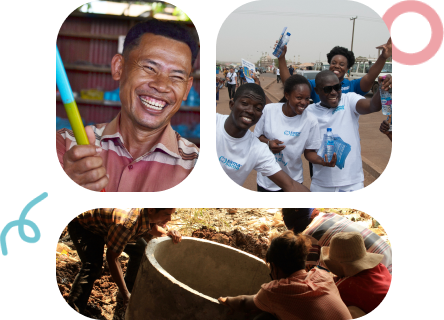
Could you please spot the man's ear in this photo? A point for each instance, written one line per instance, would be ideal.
(117, 66)
(189, 85)
(231, 103)
(316, 90)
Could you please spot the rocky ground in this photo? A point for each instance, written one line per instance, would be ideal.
(247, 229)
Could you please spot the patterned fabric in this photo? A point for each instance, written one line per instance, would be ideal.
(325, 226)
(304, 295)
(365, 290)
(166, 165)
(117, 226)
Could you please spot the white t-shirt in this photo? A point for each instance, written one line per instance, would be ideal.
(344, 121)
(278, 72)
(238, 156)
(229, 74)
(298, 133)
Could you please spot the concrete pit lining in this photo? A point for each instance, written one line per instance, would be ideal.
(183, 281)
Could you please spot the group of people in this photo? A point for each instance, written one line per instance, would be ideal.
(324, 267)
(292, 127)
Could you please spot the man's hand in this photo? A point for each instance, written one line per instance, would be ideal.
(84, 165)
(386, 49)
(276, 146)
(386, 83)
(385, 127)
(175, 235)
(332, 163)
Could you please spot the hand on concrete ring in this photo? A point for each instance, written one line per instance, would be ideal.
(175, 236)
(224, 301)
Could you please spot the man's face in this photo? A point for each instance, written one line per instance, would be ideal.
(329, 99)
(161, 217)
(232, 70)
(154, 80)
(246, 110)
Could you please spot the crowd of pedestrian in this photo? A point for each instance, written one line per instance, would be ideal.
(296, 126)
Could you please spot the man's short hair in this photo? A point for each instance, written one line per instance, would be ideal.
(249, 87)
(168, 29)
(321, 76)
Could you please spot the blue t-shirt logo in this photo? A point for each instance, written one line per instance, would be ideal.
(230, 163)
(292, 133)
(338, 108)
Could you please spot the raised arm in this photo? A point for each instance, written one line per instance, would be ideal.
(368, 80)
(285, 74)
(366, 106)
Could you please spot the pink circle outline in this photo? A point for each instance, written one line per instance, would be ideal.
(435, 24)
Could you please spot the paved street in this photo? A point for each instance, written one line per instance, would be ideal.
(375, 147)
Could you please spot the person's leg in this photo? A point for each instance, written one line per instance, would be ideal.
(135, 252)
(230, 90)
(89, 247)
(234, 90)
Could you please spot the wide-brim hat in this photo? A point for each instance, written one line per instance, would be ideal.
(347, 256)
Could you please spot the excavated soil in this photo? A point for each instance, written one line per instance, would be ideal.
(257, 246)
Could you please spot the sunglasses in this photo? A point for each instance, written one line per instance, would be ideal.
(329, 89)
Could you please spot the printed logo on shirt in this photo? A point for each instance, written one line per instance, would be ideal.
(338, 108)
(345, 88)
(230, 163)
(279, 156)
(292, 133)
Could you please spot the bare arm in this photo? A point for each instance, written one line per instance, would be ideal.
(312, 156)
(275, 145)
(116, 273)
(240, 303)
(366, 106)
(286, 183)
(368, 80)
(285, 74)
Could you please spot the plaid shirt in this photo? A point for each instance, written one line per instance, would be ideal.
(324, 227)
(304, 295)
(117, 226)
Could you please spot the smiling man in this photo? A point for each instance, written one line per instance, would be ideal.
(239, 151)
(341, 113)
(138, 150)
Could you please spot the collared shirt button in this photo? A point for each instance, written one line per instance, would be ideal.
(130, 166)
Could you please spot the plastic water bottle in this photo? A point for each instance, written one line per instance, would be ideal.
(329, 145)
(283, 41)
(386, 99)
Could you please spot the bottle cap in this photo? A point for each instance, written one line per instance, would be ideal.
(288, 34)
(328, 129)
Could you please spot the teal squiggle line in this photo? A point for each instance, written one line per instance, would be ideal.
(20, 223)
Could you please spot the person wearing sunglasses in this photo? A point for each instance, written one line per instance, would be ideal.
(341, 113)
(341, 60)
(293, 293)
(289, 132)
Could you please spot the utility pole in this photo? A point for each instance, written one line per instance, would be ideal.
(353, 34)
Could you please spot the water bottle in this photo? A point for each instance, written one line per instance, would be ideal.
(282, 42)
(386, 99)
(329, 145)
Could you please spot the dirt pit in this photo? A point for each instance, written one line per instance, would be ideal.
(254, 245)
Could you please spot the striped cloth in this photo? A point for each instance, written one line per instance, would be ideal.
(166, 165)
(117, 226)
(304, 295)
(325, 226)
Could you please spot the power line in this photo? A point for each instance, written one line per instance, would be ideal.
(305, 14)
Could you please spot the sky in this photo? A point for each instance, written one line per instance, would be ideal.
(316, 26)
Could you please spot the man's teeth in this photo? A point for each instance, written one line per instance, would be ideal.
(153, 104)
(247, 119)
